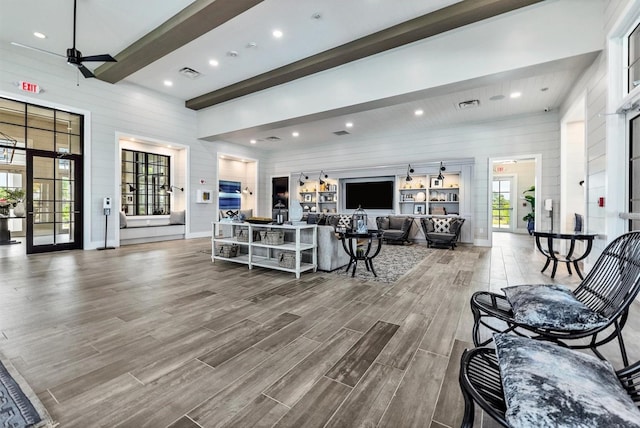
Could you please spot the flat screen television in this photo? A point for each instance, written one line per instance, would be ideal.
(372, 195)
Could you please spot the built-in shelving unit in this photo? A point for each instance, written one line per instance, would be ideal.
(426, 194)
(301, 241)
(317, 198)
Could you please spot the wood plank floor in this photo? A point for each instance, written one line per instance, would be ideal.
(155, 335)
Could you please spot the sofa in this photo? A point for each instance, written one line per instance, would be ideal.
(442, 231)
(395, 229)
(331, 254)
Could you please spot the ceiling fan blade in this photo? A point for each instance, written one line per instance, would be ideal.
(85, 71)
(37, 49)
(105, 58)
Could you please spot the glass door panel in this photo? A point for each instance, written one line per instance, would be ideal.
(54, 219)
(502, 206)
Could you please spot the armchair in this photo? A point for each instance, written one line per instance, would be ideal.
(599, 305)
(395, 229)
(442, 231)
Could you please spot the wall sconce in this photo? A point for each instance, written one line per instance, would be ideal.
(168, 188)
(300, 179)
(131, 188)
(409, 171)
(322, 182)
(442, 168)
(246, 190)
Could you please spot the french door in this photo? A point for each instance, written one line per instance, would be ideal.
(54, 201)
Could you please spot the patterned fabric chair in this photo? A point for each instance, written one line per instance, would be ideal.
(442, 231)
(598, 306)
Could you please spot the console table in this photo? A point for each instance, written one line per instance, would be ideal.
(250, 250)
(361, 252)
(550, 254)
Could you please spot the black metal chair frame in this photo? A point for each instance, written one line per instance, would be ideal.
(608, 289)
(480, 383)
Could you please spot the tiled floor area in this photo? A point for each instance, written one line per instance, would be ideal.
(155, 335)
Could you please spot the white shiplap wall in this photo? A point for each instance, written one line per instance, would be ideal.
(527, 135)
(121, 108)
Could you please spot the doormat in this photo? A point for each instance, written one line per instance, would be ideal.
(19, 405)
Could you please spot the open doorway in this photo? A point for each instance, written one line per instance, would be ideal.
(511, 180)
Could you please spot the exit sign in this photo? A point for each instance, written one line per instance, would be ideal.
(34, 88)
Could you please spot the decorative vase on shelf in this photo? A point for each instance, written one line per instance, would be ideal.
(18, 209)
(295, 211)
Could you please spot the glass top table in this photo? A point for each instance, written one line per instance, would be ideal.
(570, 258)
(363, 249)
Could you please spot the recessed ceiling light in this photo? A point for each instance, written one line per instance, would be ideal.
(515, 94)
(349, 124)
(168, 83)
(39, 35)
(295, 133)
(252, 141)
(418, 112)
(277, 34)
(214, 62)
(233, 54)
(169, 145)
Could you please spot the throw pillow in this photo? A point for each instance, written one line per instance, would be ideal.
(176, 217)
(344, 222)
(441, 225)
(123, 220)
(383, 223)
(546, 385)
(231, 213)
(551, 306)
(428, 225)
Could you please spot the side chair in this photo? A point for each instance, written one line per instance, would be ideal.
(555, 313)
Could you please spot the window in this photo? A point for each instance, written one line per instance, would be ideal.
(634, 172)
(633, 59)
(145, 183)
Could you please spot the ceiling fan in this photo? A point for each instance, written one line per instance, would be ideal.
(74, 56)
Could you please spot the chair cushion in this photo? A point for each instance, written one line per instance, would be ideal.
(176, 217)
(546, 385)
(396, 222)
(551, 306)
(441, 225)
(455, 225)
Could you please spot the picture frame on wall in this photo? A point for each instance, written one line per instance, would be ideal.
(435, 182)
(418, 209)
(307, 197)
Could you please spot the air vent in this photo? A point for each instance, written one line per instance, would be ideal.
(272, 138)
(341, 133)
(468, 104)
(189, 72)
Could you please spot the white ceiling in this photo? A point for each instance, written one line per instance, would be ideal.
(110, 26)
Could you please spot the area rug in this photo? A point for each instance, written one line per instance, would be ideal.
(392, 262)
(19, 405)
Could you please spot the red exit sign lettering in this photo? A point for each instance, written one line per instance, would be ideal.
(34, 88)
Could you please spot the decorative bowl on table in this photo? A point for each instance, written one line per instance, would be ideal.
(259, 220)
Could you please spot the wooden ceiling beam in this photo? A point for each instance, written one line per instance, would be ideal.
(193, 21)
(437, 22)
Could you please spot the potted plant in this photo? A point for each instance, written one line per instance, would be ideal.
(530, 218)
(12, 197)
